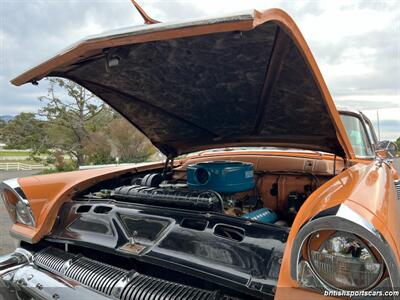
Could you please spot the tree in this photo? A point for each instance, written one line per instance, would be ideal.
(87, 130)
(398, 145)
(131, 147)
(69, 108)
(118, 139)
(2, 125)
(25, 132)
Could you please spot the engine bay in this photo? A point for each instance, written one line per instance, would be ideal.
(222, 220)
(230, 187)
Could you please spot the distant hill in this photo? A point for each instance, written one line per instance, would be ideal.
(6, 118)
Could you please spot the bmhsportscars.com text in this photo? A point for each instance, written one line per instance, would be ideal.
(362, 293)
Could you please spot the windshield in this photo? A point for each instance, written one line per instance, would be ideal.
(357, 135)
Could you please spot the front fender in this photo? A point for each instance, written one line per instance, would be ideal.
(369, 191)
(47, 193)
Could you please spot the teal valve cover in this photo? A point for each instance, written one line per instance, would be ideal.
(221, 176)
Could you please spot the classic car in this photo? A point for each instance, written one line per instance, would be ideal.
(267, 190)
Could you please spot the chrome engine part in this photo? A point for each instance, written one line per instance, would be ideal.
(56, 274)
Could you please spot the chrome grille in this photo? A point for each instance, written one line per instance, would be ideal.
(142, 287)
(95, 275)
(397, 185)
(116, 282)
(53, 259)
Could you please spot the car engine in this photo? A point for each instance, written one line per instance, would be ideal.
(225, 187)
(210, 186)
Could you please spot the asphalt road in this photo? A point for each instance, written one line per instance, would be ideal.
(7, 244)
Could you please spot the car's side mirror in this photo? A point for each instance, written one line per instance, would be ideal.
(386, 150)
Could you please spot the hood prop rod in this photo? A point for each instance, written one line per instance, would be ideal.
(145, 16)
(168, 166)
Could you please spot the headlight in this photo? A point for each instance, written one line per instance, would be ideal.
(18, 208)
(343, 261)
(339, 250)
(24, 213)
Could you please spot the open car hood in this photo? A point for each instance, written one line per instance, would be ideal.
(240, 80)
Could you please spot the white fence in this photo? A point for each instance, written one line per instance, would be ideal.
(87, 167)
(21, 167)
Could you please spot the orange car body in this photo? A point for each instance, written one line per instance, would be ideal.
(364, 186)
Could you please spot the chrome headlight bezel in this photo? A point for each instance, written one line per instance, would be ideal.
(343, 219)
(17, 205)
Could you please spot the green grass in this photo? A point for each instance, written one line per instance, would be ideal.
(14, 153)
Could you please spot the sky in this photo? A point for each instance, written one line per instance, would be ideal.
(355, 43)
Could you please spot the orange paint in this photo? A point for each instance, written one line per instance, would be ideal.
(47, 193)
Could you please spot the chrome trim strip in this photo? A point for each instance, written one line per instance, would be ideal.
(347, 213)
(349, 221)
(12, 183)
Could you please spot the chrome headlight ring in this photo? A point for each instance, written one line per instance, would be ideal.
(21, 208)
(343, 219)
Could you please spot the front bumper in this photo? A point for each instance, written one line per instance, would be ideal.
(21, 278)
(55, 274)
